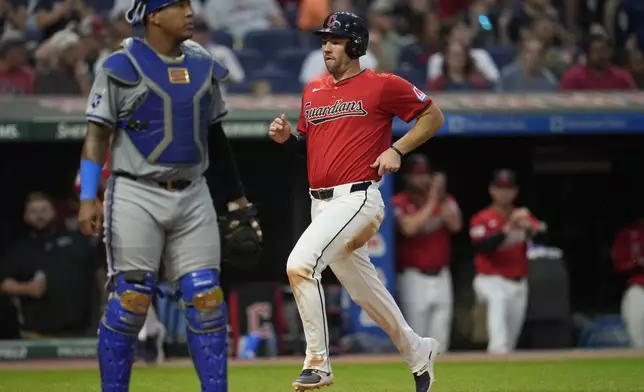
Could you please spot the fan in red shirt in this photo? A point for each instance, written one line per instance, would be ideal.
(628, 259)
(16, 76)
(500, 234)
(597, 73)
(426, 216)
(345, 126)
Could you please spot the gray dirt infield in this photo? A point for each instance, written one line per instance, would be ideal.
(553, 355)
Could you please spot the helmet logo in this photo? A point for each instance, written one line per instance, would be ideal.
(333, 21)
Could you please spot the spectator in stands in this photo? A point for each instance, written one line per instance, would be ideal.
(13, 18)
(311, 13)
(384, 41)
(16, 76)
(556, 58)
(459, 72)
(242, 16)
(221, 53)
(522, 19)
(92, 40)
(50, 273)
(597, 73)
(64, 71)
(118, 29)
(55, 15)
(459, 32)
(636, 66)
(527, 74)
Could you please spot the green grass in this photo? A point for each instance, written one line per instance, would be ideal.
(596, 375)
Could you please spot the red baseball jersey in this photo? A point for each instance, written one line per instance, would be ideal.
(431, 248)
(510, 260)
(348, 124)
(628, 252)
(105, 174)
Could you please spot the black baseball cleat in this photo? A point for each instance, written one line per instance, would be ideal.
(424, 378)
(312, 379)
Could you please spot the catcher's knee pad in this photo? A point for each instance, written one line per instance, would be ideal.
(207, 320)
(131, 294)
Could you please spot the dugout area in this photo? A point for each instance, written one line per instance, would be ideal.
(583, 186)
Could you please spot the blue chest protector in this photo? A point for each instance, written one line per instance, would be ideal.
(170, 125)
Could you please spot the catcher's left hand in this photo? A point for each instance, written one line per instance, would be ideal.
(241, 237)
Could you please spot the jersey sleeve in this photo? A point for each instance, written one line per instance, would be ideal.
(402, 99)
(302, 124)
(219, 108)
(101, 103)
(479, 228)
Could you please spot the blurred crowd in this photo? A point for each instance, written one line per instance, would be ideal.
(56, 46)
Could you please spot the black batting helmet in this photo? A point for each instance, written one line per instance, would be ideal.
(350, 25)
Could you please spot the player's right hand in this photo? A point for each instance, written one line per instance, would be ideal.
(90, 217)
(280, 129)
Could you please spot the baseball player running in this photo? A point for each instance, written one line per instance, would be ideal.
(160, 97)
(345, 127)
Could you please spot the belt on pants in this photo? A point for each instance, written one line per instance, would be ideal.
(171, 185)
(327, 193)
(428, 271)
(517, 279)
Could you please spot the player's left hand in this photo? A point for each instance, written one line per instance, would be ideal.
(387, 162)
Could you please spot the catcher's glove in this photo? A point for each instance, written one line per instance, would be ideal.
(241, 237)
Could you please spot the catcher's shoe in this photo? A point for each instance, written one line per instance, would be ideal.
(424, 378)
(311, 379)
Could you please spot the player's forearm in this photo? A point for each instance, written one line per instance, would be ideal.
(224, 164)
(452, 220)
(97, 139)
(489, 244)
(411, 224)
(429, 122)
(45, 19)
(11, 286)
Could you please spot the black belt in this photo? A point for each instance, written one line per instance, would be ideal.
(324, 194)
(428, 272)
(517, 279)
(170, 185)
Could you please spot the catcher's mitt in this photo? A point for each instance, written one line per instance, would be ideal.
(241, 237)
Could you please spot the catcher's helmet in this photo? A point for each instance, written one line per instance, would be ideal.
(141, 8)
(347, 24)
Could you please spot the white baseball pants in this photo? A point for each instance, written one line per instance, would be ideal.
(427, 303)
(506, 302)
(337, 237)
(633, 314)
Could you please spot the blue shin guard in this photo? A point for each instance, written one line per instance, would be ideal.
(207, 321)
(131, 293)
